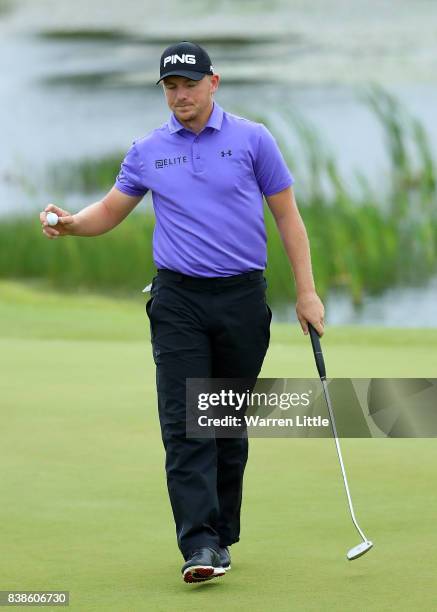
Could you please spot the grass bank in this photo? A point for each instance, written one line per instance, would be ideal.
(85, 504)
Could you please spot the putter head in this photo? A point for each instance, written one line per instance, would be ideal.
(359, 550)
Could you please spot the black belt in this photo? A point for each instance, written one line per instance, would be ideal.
(208, 281)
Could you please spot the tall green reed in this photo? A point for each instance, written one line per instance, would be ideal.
(361, 240)
(117, 262)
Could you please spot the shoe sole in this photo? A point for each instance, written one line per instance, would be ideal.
(226, 567)
(201, 573)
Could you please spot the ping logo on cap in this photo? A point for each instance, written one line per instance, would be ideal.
(183, 59)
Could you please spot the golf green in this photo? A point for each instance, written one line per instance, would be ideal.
(84, 505)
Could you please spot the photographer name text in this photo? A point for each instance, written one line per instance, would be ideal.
(257, 421)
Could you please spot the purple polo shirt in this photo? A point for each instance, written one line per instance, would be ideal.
(207, 192)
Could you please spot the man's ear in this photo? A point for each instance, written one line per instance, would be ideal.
(214, 82)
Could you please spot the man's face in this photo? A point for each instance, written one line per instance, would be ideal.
(188, 99)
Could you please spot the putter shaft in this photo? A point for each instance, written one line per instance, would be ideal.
(340, 458)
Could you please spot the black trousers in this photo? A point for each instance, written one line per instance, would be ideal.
(203, 328)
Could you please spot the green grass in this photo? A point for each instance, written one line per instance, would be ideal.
(84, 501)
(117, 262)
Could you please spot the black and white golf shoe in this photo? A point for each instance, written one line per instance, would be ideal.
(203, 564)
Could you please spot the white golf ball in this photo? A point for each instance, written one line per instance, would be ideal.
(52, 218)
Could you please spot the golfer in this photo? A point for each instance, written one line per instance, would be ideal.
(208, 171)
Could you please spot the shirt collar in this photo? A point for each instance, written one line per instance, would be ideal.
(214, 120)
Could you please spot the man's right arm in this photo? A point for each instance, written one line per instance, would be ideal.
(95, 219)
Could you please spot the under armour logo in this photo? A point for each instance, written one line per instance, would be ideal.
(228, 152)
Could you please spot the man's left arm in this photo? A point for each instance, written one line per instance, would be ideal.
(309, 307)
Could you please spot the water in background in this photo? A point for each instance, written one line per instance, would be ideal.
(396, 307)
(66, 97)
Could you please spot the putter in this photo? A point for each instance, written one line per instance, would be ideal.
(365, 545)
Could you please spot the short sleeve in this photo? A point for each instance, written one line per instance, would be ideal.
(129, 179)
(271, 171)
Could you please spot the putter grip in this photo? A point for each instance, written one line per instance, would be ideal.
(317, 350)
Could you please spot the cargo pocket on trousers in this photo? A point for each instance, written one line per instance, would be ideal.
(149, 302)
